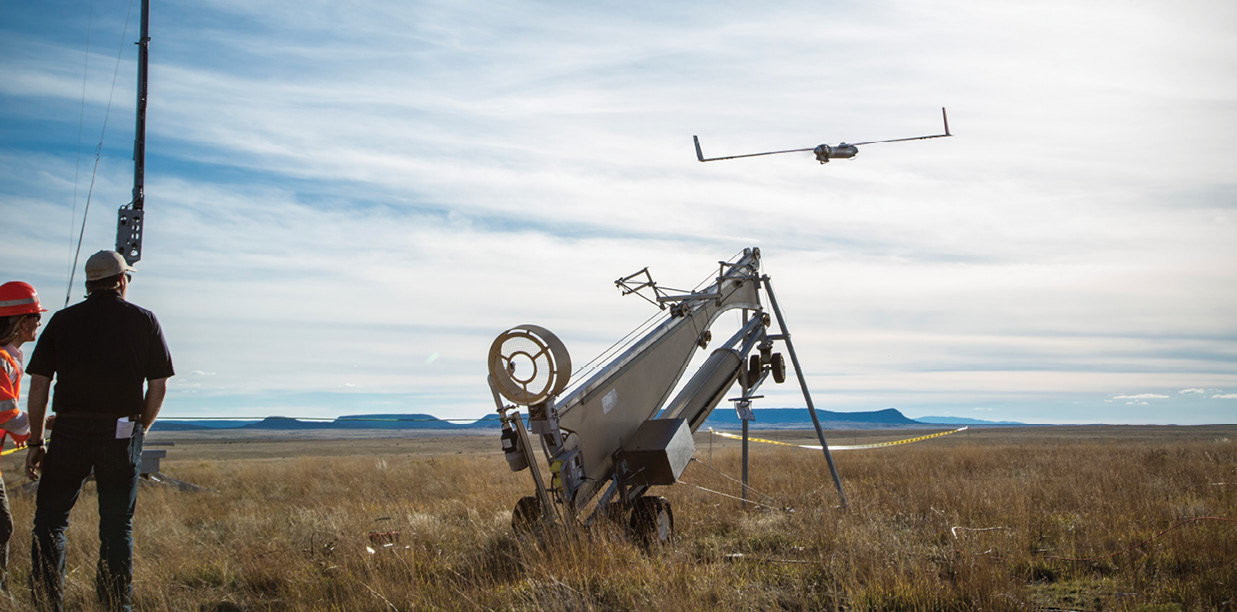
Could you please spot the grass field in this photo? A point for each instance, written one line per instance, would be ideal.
(1094, 518)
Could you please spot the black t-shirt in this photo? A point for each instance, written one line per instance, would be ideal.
(101, 352)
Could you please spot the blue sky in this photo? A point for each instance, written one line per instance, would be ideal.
(346, 204)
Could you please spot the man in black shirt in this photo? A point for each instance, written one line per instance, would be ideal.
(101, 353)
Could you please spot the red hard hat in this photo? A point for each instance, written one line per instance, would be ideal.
(18, 298)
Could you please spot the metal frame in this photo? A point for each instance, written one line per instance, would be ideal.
(577, 473)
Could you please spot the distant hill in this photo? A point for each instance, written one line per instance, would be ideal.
(358, 421)
(946, 420)
(409, 421)
(723, 418)
(174, 425)
(798, 418)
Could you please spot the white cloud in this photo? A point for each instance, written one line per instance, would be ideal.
(1225, 396)
(461, 171)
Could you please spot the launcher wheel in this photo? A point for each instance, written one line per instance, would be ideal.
(652, 522)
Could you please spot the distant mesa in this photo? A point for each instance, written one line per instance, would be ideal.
(722, 418)
(356, 421)
(798, 418)
(948, 420)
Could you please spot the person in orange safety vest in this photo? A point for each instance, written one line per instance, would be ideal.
(20, 316)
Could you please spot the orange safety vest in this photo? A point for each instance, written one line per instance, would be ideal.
(10, 390)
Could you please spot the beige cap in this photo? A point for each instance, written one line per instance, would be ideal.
(104, 264)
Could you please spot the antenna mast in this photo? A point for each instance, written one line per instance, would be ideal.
(129, 224)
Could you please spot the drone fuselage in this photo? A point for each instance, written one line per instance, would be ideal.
(824, 152)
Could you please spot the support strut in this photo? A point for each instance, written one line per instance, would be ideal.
(794, 360)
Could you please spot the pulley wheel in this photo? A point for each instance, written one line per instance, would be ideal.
(779, 368)
(753, 370)
(529, 364)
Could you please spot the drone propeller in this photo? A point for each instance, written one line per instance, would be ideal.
(826, 152)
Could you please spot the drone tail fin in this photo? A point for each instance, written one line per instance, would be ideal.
(699, 155)
(944, 118)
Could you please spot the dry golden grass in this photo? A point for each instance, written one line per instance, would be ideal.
(291, 533)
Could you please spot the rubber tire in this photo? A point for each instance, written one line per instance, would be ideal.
(779, 368)
(526, 515)
(652, 522)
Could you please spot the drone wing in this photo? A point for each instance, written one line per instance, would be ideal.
(700, 156)
(841, 147)
(944, 118)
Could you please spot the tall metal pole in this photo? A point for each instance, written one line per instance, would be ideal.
(139, 144)
(129, 225)
(794, 360)
(746, 499)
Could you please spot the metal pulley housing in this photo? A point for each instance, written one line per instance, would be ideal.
(529, 364)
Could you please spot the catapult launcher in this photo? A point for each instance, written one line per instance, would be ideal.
(618, 433)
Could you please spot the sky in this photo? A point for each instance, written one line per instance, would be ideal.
(347, 202)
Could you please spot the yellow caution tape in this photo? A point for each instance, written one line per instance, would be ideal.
(839, 448)
(13, 450)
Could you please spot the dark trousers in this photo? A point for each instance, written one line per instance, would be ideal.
(6, 532)
(77, 446)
